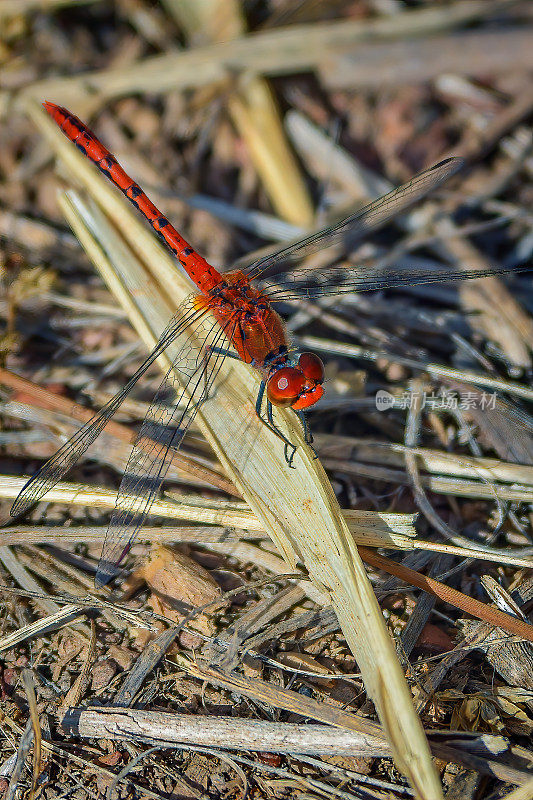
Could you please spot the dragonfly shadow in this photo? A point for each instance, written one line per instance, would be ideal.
(173, 603)
(240, 416)
(165, 435)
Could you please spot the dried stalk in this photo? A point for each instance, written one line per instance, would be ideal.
(59, 619)
(440, 485)
(433, 461)
(398, 63)
(436, 370)
(29, 688)
(468, 604)
(226, 732)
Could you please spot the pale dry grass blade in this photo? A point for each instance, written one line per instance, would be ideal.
(65, 616)
(31, 697)
(296, 506)
(524, 792)
(433, 461)
(439, 371)
(230, 522)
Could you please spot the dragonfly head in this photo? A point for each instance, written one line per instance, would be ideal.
(299, 386)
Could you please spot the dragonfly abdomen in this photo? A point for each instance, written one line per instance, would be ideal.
(202, 273)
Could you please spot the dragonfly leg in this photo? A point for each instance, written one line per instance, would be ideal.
(223, 352)
(289, 448)
(308, 436)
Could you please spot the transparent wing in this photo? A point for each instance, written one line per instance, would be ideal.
(59, 464)
(303, 285)
(161, 434)
(363, 222)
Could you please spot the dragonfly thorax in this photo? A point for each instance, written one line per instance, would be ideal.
(247, 318)
(258, 334)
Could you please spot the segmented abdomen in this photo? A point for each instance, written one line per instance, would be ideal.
(203, 274)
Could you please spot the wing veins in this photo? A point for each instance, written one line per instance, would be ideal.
(140, 485)
(51, 472)
(367, 283)
(366, 220)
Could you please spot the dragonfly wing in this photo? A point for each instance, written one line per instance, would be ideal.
(152, 451)
(188, 314)
(363, 222)
(303, 285)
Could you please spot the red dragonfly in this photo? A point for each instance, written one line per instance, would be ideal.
(229, 311)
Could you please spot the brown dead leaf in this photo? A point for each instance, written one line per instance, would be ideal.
(180, 584)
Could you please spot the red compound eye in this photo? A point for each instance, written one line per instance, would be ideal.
(285, 386)
(312, 367)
